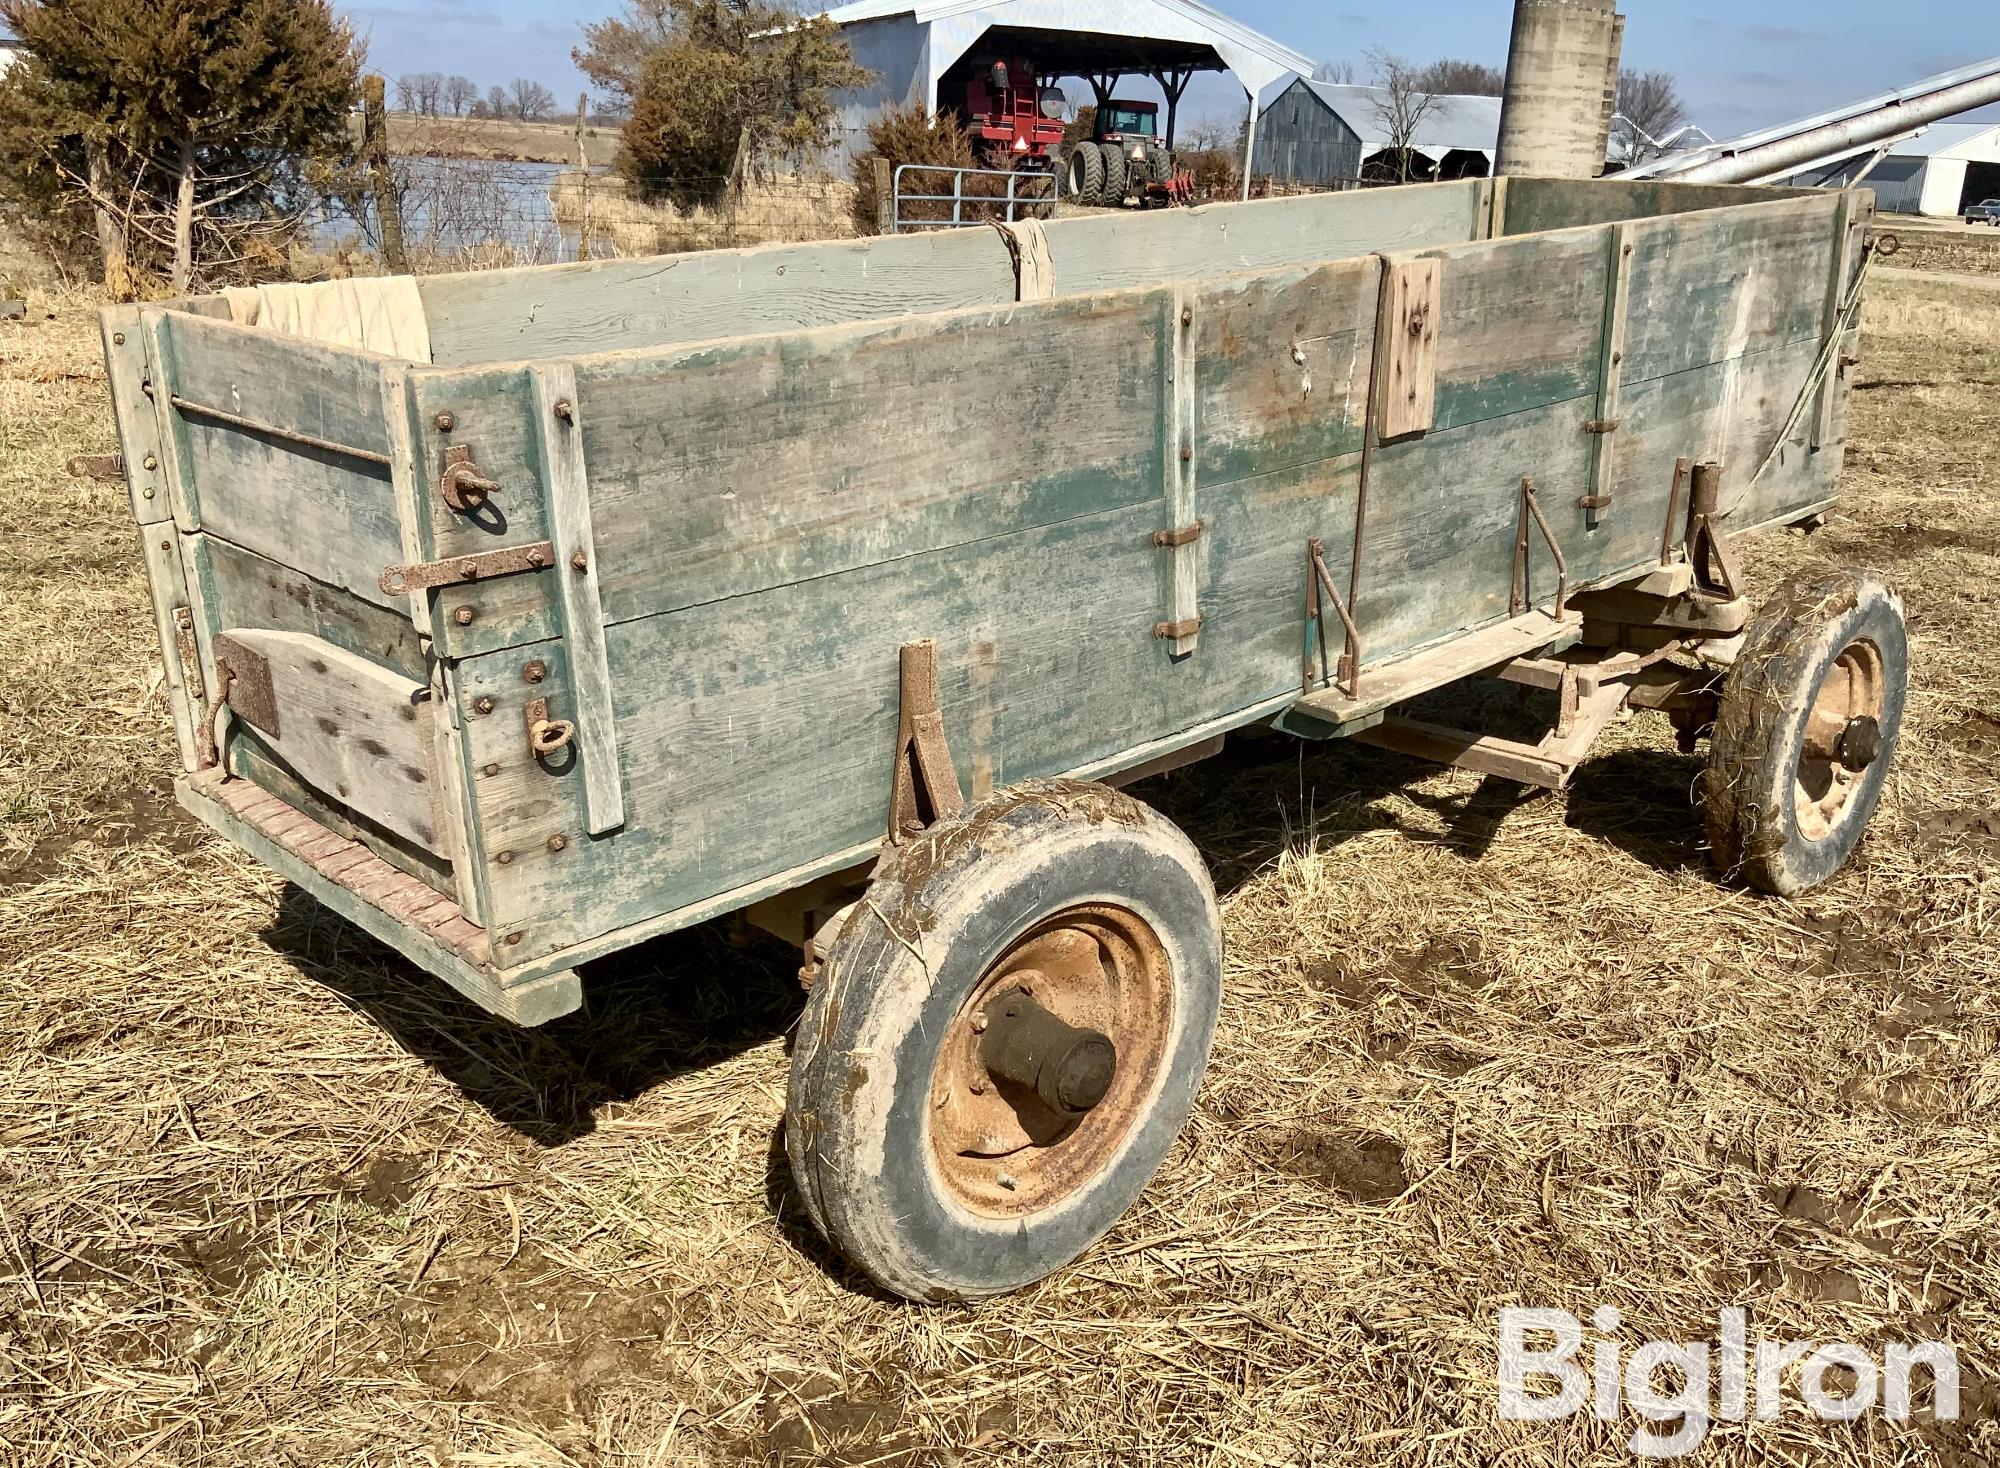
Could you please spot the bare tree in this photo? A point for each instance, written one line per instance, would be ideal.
(496, 102)
(459, 94)
(1401, 105)
(1339, 73)
(1212, 131)
(1649, 108)
(532, 101)
(406, 93)
(1455, 78)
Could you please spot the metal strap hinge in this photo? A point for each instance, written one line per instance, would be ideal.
(1593, 501)
(1601, 425)
(1175, 630)
(455, 571)
(1186, 535)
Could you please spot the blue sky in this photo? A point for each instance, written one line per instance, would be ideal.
(1741, 65)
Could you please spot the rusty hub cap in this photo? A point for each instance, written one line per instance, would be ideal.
(1052, 1061)
(1843, 739)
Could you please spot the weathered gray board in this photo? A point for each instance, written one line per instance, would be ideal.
(772, 516)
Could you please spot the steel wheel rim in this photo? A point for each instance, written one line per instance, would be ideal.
(997, 1149)
(1847, 703)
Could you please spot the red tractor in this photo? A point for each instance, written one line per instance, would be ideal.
(1125, 157)
(1013, 117)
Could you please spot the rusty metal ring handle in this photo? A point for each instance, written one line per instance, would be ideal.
(546, 736)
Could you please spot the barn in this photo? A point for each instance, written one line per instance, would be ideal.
(923, 52)
(1939, 172)
(1327, 135)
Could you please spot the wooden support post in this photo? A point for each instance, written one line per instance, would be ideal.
(381, 182)
(925, 784)
(583, 180)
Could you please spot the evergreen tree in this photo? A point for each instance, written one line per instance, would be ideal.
(184, 130)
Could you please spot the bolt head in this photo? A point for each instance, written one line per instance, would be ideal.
(151, 461)
(464, 616)
(579, 562)
(979, 1022)
(978, 1088)
(117, 338)
(1007, 1180)
(490, 771)
(514, 938)
(558, 842)
(445, 421)
(505, 858)
(535, 671)
(483, 704)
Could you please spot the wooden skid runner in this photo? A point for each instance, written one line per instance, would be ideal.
(399, 909)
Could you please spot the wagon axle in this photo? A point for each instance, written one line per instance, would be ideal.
(1070, 1069)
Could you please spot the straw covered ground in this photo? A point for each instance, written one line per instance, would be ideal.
(269, 1197)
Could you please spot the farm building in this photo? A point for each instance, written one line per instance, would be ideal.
(1938, 172)
(10, 49)
(1320, 133)
(925, 52)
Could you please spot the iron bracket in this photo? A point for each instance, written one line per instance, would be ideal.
(457, 570)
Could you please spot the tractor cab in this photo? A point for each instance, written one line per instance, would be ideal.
(1120, 121)
(1011, 115)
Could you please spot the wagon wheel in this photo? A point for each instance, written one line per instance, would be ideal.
(1005, 1039)
(1085, 181)
(1808, 724)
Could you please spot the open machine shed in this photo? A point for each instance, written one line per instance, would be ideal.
(918, 49)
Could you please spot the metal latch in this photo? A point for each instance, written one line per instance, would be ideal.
(97, 466)
(1176, 630)
(456, 570)
(461, 485)
(1601, 425)
(1186, 535)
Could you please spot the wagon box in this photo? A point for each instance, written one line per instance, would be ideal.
(522, 616)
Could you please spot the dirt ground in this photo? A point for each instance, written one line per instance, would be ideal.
(268, 1196)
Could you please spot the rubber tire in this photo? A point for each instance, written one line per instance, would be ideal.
(933, 921)
(1747, 799)
(1086, 174)
(1115, 175)
(1162, 165)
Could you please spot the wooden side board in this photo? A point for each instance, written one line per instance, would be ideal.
(1532, 205)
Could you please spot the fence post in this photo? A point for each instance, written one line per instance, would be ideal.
(382, 184)
(583, 186)
(885, 198)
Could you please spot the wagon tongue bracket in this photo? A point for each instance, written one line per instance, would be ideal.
(1069, 1069)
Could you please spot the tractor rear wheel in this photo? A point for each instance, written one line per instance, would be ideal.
(1162, 164)
(1115, 175)
(1085, 181)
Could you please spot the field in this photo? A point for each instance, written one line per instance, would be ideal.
(497, 138)
(267, 1196)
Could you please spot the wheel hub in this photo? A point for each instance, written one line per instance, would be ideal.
(1843, 739)
(1052, 1061)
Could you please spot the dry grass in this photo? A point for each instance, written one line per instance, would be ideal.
(785, 208)
(267, 1196)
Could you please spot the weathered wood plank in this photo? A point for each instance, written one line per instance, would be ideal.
(721, 470)
(249, 590)
(1406, 354)
(299, 386)
(1610, 366)
(1115, 249)
(166, 580)
(578, 579)
(346, 726)
(1537, 204)
(138, 427)
(618, 305)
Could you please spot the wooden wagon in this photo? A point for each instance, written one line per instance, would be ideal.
(841, 583)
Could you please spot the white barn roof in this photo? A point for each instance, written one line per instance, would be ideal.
(953, 27)
(1470, 124)
(1978, 141)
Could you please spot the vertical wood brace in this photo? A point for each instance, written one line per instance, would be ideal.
(169, 431)
(560, 436)
(167, 582)
(1184, 559)
(1845, 235)
(1496, 219)
(1406, 347)
(1610, 373)
(138, 429)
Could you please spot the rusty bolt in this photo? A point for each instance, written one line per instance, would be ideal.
(534, 555)
(468, 572)
(579, 562)
(513, 938)
(483, 704)
(147, 492)
(557, 843)
(1187, 452)
(151, 462)
(979, 1022)
(979, 1088)
(1187, 316)
(505, 858)
(1007, 1180)
(445, 421)
(535, 671)
(464, 616)
(490, 771)
(117, 338)
(563, 410)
